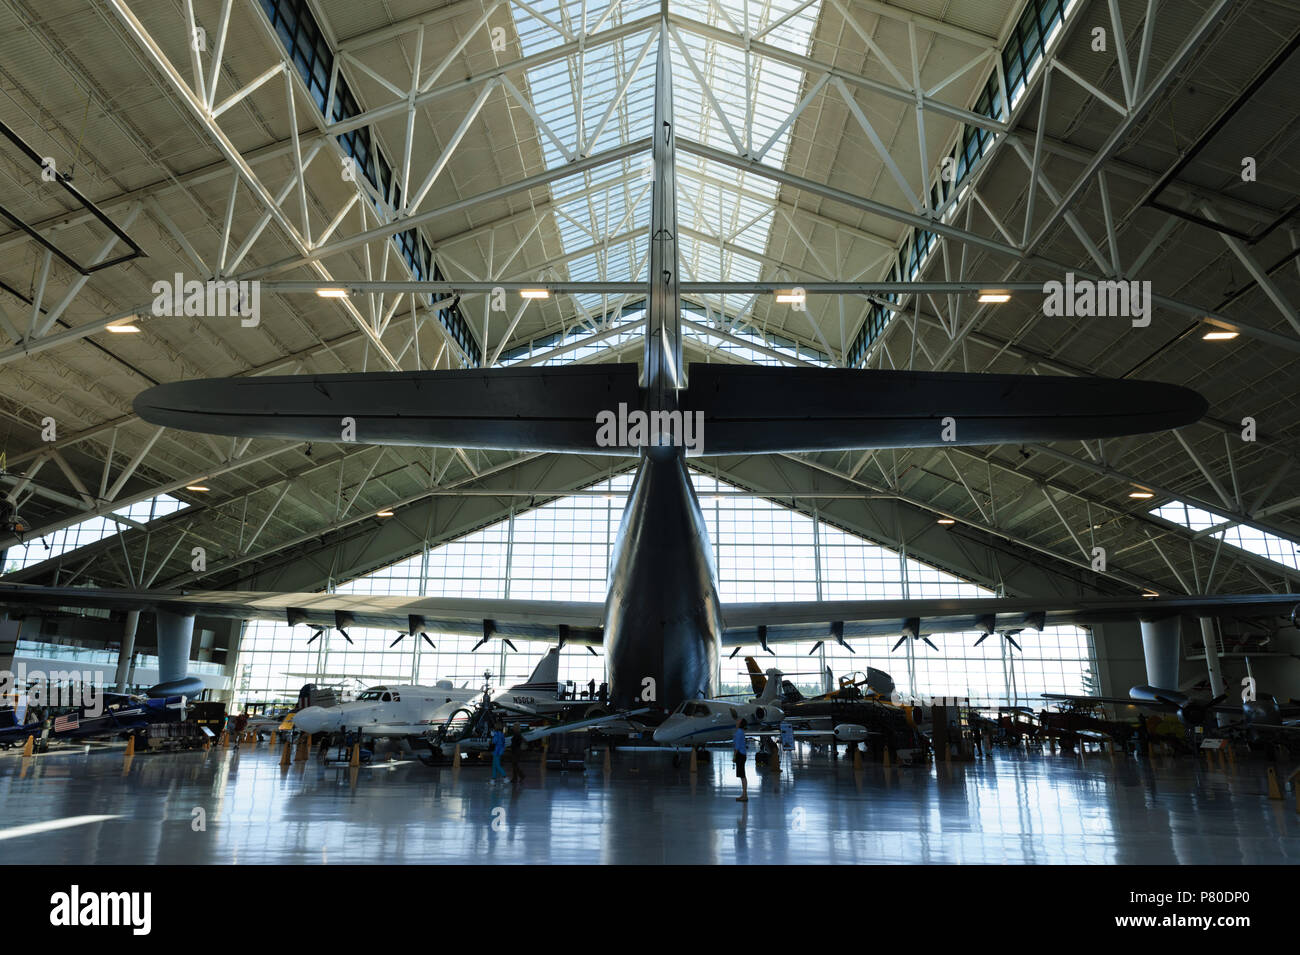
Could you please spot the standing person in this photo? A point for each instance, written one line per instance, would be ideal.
(740, 744)
(498, 747)
(516, 747)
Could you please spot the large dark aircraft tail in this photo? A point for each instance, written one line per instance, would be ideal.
(743, 409)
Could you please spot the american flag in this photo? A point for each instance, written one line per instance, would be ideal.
(67, 721)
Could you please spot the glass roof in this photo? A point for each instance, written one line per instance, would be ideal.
(603, 215)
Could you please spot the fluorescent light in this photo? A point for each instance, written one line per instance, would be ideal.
(1149, 593)
(534, 293)
(994, 297)
(332, 292)
(946, 520)
(790, 296)
(1141, 495)
(1221, 336)
(125, 328)
(197, 488)
(384, 514)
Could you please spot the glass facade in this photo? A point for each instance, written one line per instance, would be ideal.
(764, 551)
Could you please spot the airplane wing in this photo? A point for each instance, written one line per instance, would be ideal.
(555, 621)
(747, 624)
(1109, 700)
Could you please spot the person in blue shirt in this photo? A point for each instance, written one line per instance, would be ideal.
(498, 747)
(739, 742)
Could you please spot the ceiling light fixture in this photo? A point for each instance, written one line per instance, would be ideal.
(946, 520)
(1219, 336)
(332, 292)
(197, 488)
(1140, 495)
(384, 514)
(791, 296)
(125, 328)
(994, 297)
(534, 293)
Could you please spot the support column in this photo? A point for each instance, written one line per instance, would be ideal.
(10, 628)
(1210, 638)
(127, 650)
(175, 633)
(1162, 648)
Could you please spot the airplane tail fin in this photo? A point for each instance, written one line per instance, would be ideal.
(772, 689)
(756, 677)
(828, 681)
(790, 693)
(546, 673)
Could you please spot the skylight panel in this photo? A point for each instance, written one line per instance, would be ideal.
(90, 531)
(1280, 550)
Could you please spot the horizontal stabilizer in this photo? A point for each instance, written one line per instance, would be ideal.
(510, 409)
(762, 410)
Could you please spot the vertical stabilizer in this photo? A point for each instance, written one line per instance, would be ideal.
(663, 373)
(546, 673)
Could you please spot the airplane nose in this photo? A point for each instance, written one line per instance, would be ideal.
(310, 720)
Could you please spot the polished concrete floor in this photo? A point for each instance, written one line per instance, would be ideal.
(91, 807)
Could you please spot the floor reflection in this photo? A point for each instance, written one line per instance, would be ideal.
(231, 806)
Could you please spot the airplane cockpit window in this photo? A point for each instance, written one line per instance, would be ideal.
(368, 695)
(387, 698)
(397, 698)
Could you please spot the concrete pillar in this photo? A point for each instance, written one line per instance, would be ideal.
(175, 633)
(9, 630)
(128, 649)
(1162, 648)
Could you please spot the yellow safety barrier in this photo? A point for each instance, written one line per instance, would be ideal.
(1274, 792)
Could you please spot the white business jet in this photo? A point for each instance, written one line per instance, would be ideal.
(406, 711)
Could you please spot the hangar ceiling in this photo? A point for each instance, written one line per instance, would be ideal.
(215, 157)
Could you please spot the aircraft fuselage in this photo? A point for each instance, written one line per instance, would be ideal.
(663, 618)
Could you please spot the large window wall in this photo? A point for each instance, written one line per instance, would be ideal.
(764, 551)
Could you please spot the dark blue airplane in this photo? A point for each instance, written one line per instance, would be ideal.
(118, 713)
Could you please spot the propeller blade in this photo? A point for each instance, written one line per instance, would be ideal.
(981, 639)
(400, 638)
(931, 645)
(898, 644)
(428, 641)
(1012, 640)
